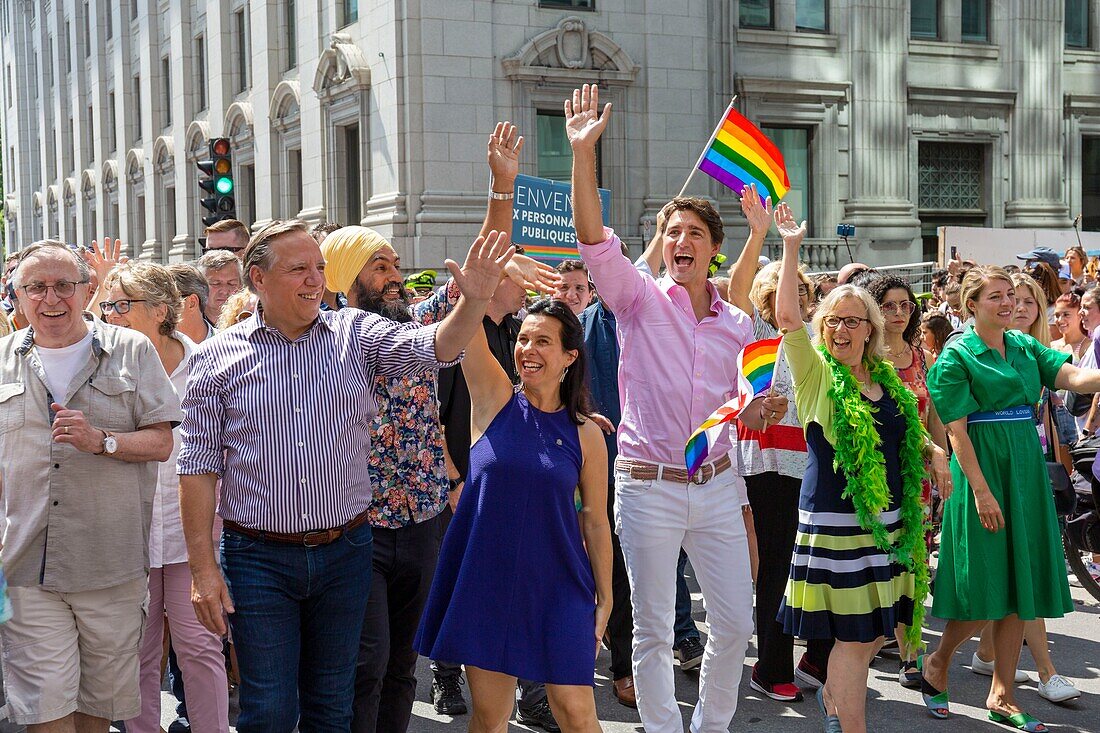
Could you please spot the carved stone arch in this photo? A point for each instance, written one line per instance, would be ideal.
(110, 176)
(198, 132)
(11, 208)
(342, 68)
(286, 102)
(38, 202)
(68, 192)
(135, 165)
(87, 184)
(164, 156)
(239, 123)
(571, 51)
(52, 195)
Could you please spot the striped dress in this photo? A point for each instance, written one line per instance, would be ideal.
(841, 585)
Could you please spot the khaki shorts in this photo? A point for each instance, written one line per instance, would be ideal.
(73, 652)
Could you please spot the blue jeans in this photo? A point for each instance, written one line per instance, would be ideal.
(299, 613)
(685, 627)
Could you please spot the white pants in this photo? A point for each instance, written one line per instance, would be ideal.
(653, 520)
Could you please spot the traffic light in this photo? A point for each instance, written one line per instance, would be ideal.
(217, 181)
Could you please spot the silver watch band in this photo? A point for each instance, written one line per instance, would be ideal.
(500, 196)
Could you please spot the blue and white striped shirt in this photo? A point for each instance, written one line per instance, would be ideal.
(287, 424)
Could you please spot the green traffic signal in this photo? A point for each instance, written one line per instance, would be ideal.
(224, 185)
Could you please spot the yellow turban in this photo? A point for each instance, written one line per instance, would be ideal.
(346, 250)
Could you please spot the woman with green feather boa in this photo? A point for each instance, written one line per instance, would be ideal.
(859, 567)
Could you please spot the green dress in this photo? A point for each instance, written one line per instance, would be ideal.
(1019, 569)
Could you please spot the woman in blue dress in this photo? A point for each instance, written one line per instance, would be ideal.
(523, 589)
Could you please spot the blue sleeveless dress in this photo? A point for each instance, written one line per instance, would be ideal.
(513, 591)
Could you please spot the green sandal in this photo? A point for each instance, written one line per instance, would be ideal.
(1019, 721)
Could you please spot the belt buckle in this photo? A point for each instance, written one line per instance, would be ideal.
(321, 536)
(699, 477)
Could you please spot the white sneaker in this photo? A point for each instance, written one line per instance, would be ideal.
(980, 666)
(1058, 689)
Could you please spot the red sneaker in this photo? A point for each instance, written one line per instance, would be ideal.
(784, 691)
(808, 674)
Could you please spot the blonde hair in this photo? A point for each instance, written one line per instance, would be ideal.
(975, 281)
(238, 306)
(1040, 329)
(875, 349)
(152, 283)
(766, 283)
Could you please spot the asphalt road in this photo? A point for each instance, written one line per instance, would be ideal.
(1075, 646)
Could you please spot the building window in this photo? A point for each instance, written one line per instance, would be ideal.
(87, 30)
(133, 16)
(294, 174)
(137, 107)
(349, 11)
(169, 232)
(200, 70)
(353, 198)
(240, 35)
(811, 15)
(10, 98)
(166, 75)
(950, 176)
(794, 144)
(68, 52)
(68, 162)
(112, 133)
(577, 4)
(975, 21)
(756, 14)
(110, 24)
(1090, 184)
(924, 19)
(137, 226)
(1077, 23)
(49, 64)
(34, 73)
(555, 157)
(291, 11)
(91, 134)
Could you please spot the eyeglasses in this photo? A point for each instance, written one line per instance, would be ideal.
(121, 307)
(61, 288)
(905, 307)
(850, 322)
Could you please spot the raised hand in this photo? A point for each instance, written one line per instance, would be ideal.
(533, 275)
(760, 217)
(791, 231)
(478, 278)
(102, 261)
(504, 149)
(584, 123)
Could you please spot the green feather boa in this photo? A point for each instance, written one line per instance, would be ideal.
(859, 456)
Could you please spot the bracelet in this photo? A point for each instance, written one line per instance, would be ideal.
(494, 196)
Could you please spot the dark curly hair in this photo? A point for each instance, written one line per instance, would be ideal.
(882, 284)
(574, 387)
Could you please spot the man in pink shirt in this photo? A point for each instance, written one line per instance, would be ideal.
(679, 343)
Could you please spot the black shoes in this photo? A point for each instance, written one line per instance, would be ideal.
(689, 653)
(447, 696)
(539, 715)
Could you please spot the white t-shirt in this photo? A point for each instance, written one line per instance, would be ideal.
(61, 365)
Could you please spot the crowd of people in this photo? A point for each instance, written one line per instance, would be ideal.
(288, 466)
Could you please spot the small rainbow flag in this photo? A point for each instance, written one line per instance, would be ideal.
(739, 154)
(755, 371)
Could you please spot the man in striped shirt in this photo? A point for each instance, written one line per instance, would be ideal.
(280, 407)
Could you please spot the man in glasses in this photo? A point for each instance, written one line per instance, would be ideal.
(229, 235)
(78, 398)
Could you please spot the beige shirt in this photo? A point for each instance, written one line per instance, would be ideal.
(74, 521)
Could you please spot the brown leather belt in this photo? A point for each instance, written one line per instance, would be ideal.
(305, 539)
(646, 471)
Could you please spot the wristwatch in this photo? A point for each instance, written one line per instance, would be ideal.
(110, 444)
(500, 196)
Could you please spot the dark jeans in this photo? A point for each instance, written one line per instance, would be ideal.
(620, 627)
(774, 501)
(685, 627)
(299, 613)
(385, 676)
(530, 693)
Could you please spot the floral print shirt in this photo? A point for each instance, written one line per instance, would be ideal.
(407, 474)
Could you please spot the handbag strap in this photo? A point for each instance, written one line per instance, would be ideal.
(1051, 428)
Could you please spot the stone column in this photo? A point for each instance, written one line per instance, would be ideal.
(1035, 51)
(879, 206)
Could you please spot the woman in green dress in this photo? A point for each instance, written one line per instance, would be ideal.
(1000, 554)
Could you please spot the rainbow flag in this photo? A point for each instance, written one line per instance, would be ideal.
(739, 154)
(755, 371)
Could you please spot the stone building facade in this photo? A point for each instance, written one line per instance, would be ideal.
(894, 115)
